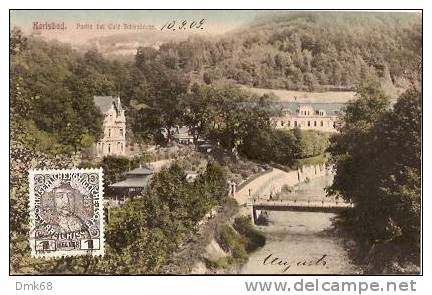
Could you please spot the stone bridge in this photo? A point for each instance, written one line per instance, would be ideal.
(258, 205)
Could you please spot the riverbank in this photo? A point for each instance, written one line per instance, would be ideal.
(304, 242)
(379, 257)
(307, 242)
(221, 244)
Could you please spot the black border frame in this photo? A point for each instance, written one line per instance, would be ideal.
(235, 275)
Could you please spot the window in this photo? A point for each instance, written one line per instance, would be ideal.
(121, 131)
(282, 123)
(308, 123)
(109, 132)
(289, 123)
(315, 123)
(322, 123)
(109, 149)
(295, 123)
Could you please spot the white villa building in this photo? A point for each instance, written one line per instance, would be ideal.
(114, 126)
(307, 118)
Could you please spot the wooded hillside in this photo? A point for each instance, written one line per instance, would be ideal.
(308, 51)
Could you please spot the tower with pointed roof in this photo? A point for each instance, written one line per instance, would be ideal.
(113, 141)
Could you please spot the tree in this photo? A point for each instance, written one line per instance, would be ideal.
(168, 87)
(214, 181)
(200, 109)
(59, 89)
(377, 157)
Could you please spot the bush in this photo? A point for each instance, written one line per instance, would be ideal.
(284, 146)
(232, 242)
(255, 238)
(239, 240)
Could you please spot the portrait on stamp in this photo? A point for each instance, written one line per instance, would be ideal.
(66, 212)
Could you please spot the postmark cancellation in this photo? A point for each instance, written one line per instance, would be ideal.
(66, 212)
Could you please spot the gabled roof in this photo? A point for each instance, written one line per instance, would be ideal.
(133, 182)
(140, 171)
(104, 103)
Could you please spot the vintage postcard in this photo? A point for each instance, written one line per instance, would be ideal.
(66, 213)
(215, 142)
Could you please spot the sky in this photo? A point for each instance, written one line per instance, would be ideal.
(216, 21)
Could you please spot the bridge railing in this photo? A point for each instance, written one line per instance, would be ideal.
(252, 178)
(301, 203)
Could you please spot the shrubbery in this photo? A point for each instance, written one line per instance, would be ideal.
(239, 240)
(255, 238)
(233, 242)
(284, 146)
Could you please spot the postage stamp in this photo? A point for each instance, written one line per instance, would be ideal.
(66, 212)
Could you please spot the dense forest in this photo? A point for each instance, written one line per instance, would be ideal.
(308, 51)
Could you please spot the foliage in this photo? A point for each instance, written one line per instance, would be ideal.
(287, 50)
(239, 240)
(141, 235)
(307, 51)
(312, 161)
(46, 78)
(115, 167)
(166, 214)
(377, 157)
(225, 114)
(233, 242)
(255, 238)
(162, 91)
(310, 143)
(284, 146)
(214, 181)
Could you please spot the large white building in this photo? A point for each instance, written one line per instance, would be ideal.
(114, 126)
(307, 118)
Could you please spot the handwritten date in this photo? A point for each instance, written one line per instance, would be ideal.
(182, 25)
